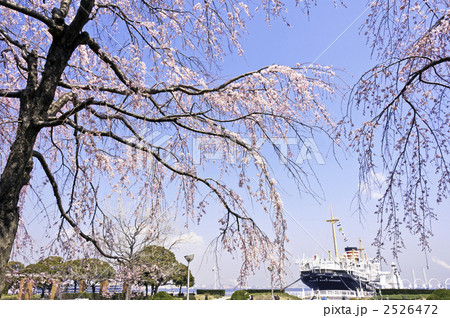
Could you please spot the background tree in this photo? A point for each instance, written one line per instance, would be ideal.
(179, 276)
(83, 82)
(13, 271)
(127, 232)
(75, 272)
(405, 100)
(158, 265)
(46, 271)
(92, 270)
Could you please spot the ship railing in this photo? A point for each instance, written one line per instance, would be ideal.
(330, 294)
(340, 261)
(340, 264)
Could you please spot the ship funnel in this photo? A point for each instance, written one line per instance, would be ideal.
(352, 253)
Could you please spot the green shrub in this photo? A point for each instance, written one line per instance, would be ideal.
(9, 297)
(240, 295)
(98, 296)
(439, 294)
(215, 292)
(393, 291)
(263, 291)
(191, 296)
(118, 296)
(14, 297)
(162, 295)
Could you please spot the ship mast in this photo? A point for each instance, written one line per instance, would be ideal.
(361, 249)
(332, 221)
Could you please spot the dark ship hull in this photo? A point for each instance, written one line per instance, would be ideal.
(320, 279)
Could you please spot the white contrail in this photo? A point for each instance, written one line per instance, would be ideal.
(440, 262)
(339, 36)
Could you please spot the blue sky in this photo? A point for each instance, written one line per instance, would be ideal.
(326, 37)
(329, 37)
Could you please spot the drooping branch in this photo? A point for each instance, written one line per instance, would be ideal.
(411, 78)
(158, 158)
(63, 213)
(10, 40)
(88, 88)
(12, 43)
(405, 96)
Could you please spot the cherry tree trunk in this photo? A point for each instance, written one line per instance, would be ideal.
(128, 292)
(35, 101)
(15, 176)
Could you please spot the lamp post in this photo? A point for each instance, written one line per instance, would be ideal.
(189, 259)
(215, 277)
(271, 280)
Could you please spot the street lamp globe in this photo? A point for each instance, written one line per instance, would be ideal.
(189, 259)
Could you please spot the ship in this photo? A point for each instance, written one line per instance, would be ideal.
(347, 275)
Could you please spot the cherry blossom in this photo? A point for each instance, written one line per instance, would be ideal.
(85, 83)
(405, 102)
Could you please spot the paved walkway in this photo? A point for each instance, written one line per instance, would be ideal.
(222, 298)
